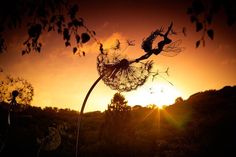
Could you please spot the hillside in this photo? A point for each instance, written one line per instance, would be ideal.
(203, 125)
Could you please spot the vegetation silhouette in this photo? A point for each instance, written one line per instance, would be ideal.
(50, 142)
(41, 16)
(116, 126)
(203, 14)
(203, 125)
(117, 118)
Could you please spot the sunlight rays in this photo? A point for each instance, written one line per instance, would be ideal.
(159, 94)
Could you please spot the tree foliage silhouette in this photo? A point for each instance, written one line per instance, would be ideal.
(203, 15)
(50, 142)
(117, 110)
(61, 16)
(40, 16)
(116, 128)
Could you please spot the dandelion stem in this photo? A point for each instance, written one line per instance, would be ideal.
(81, 113)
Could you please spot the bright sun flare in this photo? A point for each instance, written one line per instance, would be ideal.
(160, 95)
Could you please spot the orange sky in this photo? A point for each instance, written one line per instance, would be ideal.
(61, 79)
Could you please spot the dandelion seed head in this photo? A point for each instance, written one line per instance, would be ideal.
(17, 88)
(121, 74)
(15, 93)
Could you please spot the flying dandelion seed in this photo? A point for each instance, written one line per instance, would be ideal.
(117, 45)
(130, 42)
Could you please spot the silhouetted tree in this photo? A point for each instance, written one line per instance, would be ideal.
(152, 106)
(179, 100)
(117, 117)
(136, 107)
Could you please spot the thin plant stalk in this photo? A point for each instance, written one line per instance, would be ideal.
(13, 103)
(159, 120)
(81, 113)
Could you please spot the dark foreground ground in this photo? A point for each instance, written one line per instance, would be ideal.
(202, 126)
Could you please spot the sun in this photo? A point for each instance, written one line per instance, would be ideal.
(160, 95)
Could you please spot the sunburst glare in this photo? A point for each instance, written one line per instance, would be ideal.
(160, 94)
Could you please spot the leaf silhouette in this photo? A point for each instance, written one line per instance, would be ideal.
(198, 43)
(199, 26)
(73, 11)
(209, 19)
(38, 49)
(66, 34)
(77, 23)
(210, 33)
(231, 20)
(198, 7)
(35, 30)
(74, 50)
(67, 43)
(23, 52)
(50, 28)
(53, 18)
(85, 37)
(189, 11)
(184, 30)
(193, 18)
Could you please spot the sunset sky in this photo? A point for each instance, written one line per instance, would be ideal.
(61, 79)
